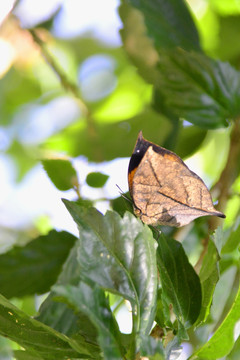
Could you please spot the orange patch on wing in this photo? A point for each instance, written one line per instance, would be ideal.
(130, 178)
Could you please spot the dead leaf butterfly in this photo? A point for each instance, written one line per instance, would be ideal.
(163, 189)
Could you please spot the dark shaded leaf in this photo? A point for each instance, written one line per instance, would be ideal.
(60, 316)
(209, 275)
(180, 284)
(189, 140)
(36, 337)
(203, 91)
(121, 205)
(34, 268)
(169, 23)
(94, 304)
(118, 254)
(96, 179)
(61, 172)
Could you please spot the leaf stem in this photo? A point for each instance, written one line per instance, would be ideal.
(228, 175)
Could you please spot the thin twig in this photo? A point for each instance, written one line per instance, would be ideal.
(73, 88)
(222, 188)
(66, 83)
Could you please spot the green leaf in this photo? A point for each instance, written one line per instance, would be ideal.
(189, 140)
(96, 179)
(203, 91)
(119, 255)
(169, 23)
(60, 316)
(209, 276)
(222, 341)
(235, 353)
(17, 88)
(94, 304)
(24, 158)
(36, 337)
(180, 284)
(34, 268)
(137, 44)
(121, 204)
(61, 172)
(218, 238)
(152, 348)
(233, 238)
(27, 355)
(97, 148)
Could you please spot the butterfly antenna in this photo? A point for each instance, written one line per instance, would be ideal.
(123, 195)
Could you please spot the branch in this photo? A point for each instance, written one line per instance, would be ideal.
(66, 83)
(222, 188)
(73, 88)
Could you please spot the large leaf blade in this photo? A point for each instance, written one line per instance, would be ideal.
(118, 254)
(33, 268)
(93, 303)
(180, 284)
(63, 318)
(222, 341)
(199, 89)
(36, 337)
(169, 23)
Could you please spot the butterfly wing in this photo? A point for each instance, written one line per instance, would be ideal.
(166, 192)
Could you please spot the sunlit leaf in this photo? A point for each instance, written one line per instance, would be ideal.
(61, 172)
(222, 341)
(96, 179)
(137, 44)
(17, 88)
(233, 240)
(209, 275)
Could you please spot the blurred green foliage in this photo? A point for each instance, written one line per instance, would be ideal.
(176, 77)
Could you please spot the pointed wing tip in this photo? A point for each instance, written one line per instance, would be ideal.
(221, 215)
(140, 135)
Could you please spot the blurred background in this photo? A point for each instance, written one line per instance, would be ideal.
(70, 86)
(94, 117)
